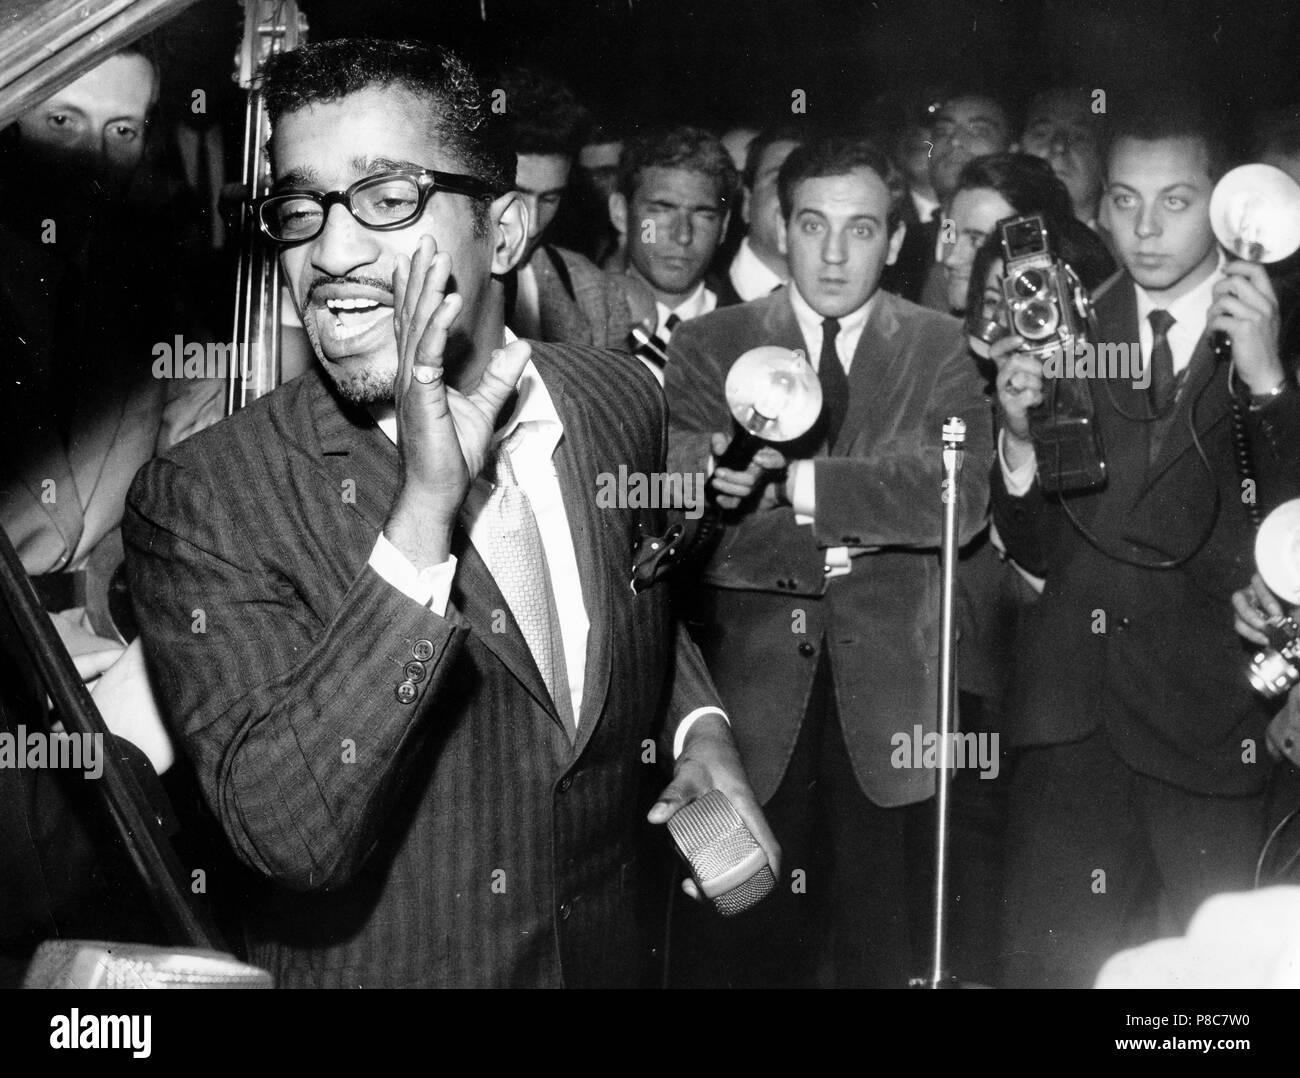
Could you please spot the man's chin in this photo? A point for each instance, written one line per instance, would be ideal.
(364, 385)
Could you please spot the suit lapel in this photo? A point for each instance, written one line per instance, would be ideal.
(1210, 409)
(599, 545)
(1119, 309)
(357, 457)
(873, 372)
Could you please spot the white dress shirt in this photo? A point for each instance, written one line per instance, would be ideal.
(751, 277)
(926, 207)
(802, 473)
(699, 302)
(531, 459)
(1189, 312)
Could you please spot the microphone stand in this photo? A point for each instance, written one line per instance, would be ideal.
(954, 436)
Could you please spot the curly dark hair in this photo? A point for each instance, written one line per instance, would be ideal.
(690, 148)
(542, 116)
(462, 119)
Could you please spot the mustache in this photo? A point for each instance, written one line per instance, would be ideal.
(364, 282)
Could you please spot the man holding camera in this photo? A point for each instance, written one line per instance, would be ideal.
(818, 610)
(1139, 790)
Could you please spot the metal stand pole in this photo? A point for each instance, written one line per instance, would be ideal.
(954, 435)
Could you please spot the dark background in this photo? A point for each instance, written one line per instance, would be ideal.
(721, 62)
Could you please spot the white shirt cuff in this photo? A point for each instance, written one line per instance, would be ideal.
(684, 727)
(803, 490)
(430, 587)
(1019, 481)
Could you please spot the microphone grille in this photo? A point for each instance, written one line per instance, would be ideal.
(94, 964)
(715, 842)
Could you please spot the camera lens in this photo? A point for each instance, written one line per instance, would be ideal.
(1036, 320)
(1029, 284)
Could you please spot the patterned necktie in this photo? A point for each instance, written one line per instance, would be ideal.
(1164, 387)
(517, 560)
(835, 383)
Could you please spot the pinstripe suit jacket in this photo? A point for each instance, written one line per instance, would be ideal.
(460, 839)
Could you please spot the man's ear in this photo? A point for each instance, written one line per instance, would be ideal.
(509, 214)
(896, 243)
(618, 213)
(782, 243)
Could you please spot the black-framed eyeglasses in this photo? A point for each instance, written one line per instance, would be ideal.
(381, 202)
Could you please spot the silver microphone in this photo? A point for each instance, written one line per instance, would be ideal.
(725, 860)
(96, 964)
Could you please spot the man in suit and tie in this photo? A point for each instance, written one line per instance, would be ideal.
(819, 609)
(393, 625)
(676, 189)
(1140, 784)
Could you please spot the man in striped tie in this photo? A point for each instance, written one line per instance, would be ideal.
(676, 190)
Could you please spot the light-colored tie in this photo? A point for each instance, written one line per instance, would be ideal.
(517, 560)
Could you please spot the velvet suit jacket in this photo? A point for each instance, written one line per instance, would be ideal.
(1151, 654)
(463, 838)
(878, 487)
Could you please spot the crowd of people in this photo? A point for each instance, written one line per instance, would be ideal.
(386, 642)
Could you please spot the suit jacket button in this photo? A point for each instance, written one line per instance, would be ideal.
(406, 692)
(806, 648)
(423, 650)
(565, 910)
(565, 783)
(414, 671)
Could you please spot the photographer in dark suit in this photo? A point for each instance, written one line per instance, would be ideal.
(392, 625)
(819, 608)
(1140, 784)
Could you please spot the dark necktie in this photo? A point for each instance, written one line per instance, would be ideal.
(1164, 387)
(835, 383)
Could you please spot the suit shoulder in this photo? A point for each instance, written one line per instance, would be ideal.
(599, 374)
(1109, 289)
(923, 321)
(725, 323)
(216, 446)
(577, 263)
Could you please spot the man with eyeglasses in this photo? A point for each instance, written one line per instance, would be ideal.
(1062, 129)
(966, 126)
(393, 623)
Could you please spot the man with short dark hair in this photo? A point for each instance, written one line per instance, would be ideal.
(818, 610)
(759, 267)
(677, 186)
(1140, 781)
(400, 646)
(554, 294)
